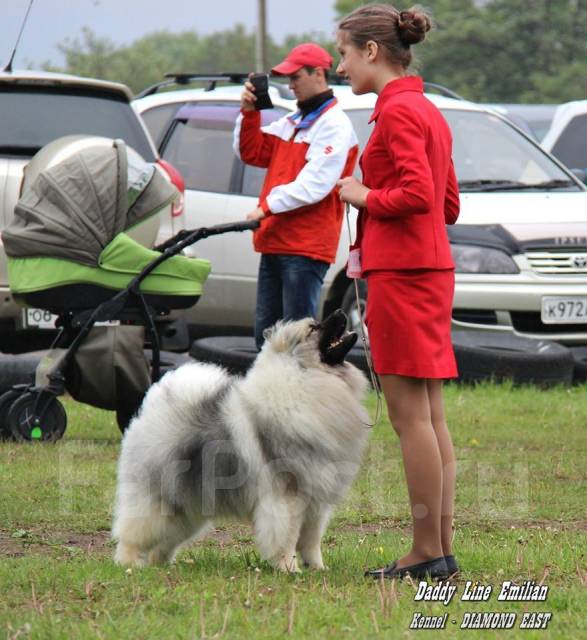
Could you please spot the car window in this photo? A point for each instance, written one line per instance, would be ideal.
(534, 119)
(200, 147)
(158, 118)
(570, 148)
(484, 148)
(31, 118)
(487, 148)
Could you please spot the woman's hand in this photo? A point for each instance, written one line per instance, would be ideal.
(256, 214)
(353, 191)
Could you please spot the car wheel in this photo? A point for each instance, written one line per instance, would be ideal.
(349, 306)
(580, 369)
(21, 415)
(483, 355)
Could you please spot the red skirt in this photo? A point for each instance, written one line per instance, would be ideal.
(408, 318)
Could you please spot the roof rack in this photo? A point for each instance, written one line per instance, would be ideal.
(211, 79)
(428, 87)
(239, 78)
(442, 90)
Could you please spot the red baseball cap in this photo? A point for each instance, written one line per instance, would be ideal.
(306, 54)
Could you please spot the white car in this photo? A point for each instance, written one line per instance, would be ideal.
(42, 110)
(520, 244)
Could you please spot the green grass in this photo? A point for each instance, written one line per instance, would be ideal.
(521, 515)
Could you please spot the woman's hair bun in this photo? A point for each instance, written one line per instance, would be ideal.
(413, 25)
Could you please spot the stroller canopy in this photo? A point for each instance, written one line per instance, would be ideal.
(74, 209)
(68, 232)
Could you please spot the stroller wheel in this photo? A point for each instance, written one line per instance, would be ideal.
(21, 419)
(6, 400)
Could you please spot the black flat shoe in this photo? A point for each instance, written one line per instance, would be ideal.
(452, 565)
(430, 569)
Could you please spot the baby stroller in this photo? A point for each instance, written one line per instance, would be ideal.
(69, 253)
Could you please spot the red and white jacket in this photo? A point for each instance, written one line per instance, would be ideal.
(299, 196)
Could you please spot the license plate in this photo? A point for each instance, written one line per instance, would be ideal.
(39, 318)
(558, 310)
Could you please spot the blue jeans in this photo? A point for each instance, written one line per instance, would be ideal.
(288, 288)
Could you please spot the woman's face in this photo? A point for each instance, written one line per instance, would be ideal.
(354, 64)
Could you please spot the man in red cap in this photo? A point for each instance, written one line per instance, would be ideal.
(305, 153)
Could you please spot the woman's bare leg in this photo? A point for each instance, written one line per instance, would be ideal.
(408, 406)
(449, 465)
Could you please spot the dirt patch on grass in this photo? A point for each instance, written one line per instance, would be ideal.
(14, 544)
(23, 542)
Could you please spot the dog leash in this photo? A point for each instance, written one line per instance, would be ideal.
(366, 347)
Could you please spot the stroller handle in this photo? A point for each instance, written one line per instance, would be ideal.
(244, 225)
(185, 237)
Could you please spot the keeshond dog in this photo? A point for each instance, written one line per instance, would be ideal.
(278, 448)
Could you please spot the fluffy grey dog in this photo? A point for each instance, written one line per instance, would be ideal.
(278, 448)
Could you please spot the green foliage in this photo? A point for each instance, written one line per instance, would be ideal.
(504, 50)
(146, 60)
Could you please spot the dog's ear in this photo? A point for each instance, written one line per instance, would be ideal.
(268, 333)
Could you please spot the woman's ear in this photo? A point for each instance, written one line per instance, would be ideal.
(372, 49)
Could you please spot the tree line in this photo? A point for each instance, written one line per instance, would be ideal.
(485, 50)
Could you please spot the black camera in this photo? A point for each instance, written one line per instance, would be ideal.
(261, 83)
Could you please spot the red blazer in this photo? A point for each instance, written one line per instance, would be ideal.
(407, 164)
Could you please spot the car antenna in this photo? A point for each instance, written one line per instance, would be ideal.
(8, 67)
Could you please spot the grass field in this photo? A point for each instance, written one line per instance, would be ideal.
(521, 515)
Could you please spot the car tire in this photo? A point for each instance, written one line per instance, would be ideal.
(580, 368)
(17, 369)
(237, 353)
(234, 353)
(483, 355)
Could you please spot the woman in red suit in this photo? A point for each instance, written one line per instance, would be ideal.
(409, 193)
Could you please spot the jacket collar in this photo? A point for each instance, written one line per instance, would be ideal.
(407, 83)
(305, 121)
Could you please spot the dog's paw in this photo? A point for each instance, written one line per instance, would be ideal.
(312, 558)
(287, 564)
(129, 556)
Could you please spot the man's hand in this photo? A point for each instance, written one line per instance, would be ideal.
(248, 96)
(353, 191)
(256, 214)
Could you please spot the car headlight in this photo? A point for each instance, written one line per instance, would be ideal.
(472, 259)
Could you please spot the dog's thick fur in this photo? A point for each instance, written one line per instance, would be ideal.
(278, 448)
